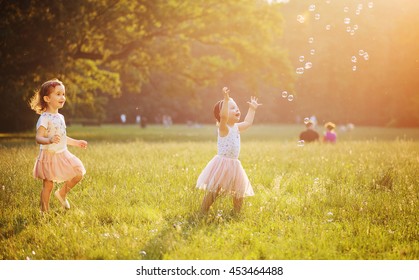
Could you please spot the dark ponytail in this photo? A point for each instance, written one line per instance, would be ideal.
(217, 109)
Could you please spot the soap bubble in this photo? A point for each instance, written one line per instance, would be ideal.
(312, 7)
(300, 143)
(312, 51)
(300, 19)
(347, 21)
(308, 65)
(306, 120)
(317, 16)
(370, 5)
(366, 56)
(284, 94)
(356, 27)
(290, 97)
(299, 70)
(354, 68)
(345, 9)
(357, 12)
(311, 40)
(353, 59)
(348, 29)
(328, 27)
(361, 52)
(301, 58)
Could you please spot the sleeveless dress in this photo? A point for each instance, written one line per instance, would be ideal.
(224, 173)
(55, 162)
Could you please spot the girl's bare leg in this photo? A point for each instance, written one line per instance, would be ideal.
(237, 203)
(208, 200)
(69, 185)
(47, 187)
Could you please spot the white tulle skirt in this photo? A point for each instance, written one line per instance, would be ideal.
(57, 167)
(225, 175)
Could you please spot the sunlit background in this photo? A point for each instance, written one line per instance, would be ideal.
(345, 61)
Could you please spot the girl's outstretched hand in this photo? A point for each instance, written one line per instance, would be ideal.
(253, 103)
(82, 144)
(226, 93)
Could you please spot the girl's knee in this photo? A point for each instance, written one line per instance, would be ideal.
(48, 185)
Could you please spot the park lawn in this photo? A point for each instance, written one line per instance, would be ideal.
(357, 199)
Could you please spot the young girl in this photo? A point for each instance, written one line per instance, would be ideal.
(224, 174)
(54, 163)
(330, 135)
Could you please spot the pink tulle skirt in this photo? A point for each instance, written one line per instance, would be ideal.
(57, 167)
(226, 176)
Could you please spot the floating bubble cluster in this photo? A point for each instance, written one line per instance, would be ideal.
(348, 24)
(289, 97)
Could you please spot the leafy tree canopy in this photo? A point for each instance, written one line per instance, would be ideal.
(103, 48)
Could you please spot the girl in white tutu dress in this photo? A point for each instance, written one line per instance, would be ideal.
(54, 163)
(224, 174)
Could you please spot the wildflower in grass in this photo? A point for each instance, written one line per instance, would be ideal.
(330, 215)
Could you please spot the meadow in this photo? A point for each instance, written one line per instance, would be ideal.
(357, 199)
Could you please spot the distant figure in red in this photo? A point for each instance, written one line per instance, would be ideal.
(330, 135)
(309, 135)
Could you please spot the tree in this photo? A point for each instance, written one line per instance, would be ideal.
(102, 48)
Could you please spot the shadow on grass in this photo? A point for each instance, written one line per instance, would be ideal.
(180, 232)
(9, 231)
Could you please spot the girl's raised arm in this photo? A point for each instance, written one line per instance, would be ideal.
(248, 120)
(224, 112)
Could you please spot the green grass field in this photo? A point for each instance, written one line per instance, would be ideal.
(357, 199)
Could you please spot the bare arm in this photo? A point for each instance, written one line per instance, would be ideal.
(250, 116)
(77, 143)
(224, 113)
(42, 137)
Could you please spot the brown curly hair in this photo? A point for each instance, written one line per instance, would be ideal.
(217, 110)
(37, 101)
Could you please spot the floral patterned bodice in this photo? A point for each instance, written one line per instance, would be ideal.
(229, 145)
(54, 124)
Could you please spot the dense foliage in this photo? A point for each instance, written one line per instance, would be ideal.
(152, 58)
